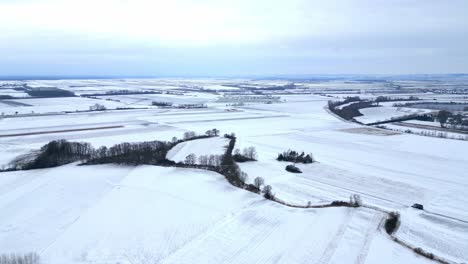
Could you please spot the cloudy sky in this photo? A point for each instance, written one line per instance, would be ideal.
(232, 37)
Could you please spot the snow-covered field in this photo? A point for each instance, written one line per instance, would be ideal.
(110, 214)
(149, 214)
(54, 105)
(200, 147)
(384, 113)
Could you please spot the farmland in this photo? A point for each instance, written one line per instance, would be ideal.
(117, 213)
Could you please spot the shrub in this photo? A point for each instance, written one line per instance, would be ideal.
(294, 156)
(293, 169)
(268, 192)
(392, 222)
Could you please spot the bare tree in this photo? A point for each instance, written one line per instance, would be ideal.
(212, 160)
(203, 160)
(443, 116)
(355, 200)
(243, 176)
(250, 152)
(215, 131)
(258, 182)
(189, 135)
(190, 159)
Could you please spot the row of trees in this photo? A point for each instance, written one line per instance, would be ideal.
(204, 160)
(56, 153)
(350, 111)
(162, 104)
(294, 156)
(151, 152)
(382, 98)
(190, 135)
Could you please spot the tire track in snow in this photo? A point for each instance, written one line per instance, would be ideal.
(199, 238)
(371, 230)
(334, 242)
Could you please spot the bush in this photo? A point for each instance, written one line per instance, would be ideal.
(392, 222)
(294, 156)
(268, 192)
(293, 169)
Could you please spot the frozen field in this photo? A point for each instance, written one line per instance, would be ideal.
(384, 113)
(148, 214)
(53, 105)
(108, 214)
(206, 146)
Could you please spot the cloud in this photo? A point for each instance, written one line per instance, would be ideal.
(233, 37)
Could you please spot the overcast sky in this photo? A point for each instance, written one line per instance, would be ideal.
(232, 37)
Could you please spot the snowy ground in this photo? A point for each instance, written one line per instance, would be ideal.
(206, 146)
(384, 113)
(110, 214)
(54, 105)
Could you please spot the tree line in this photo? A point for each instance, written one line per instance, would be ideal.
(294, 156)
(61, 152)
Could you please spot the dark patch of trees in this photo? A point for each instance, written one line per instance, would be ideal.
(268, 193)
(59, 152)
(162, 104)
(349, 99)
(122, 92)
(50, 92)
(228, 166)
(381, 98)
(151, 153)
(421, 252)
(443, 116)
(351, 111)
(293, 169)
(294, 156)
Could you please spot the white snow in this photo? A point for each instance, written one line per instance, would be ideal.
(205, 146)
(384, 113)
(148, 214)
